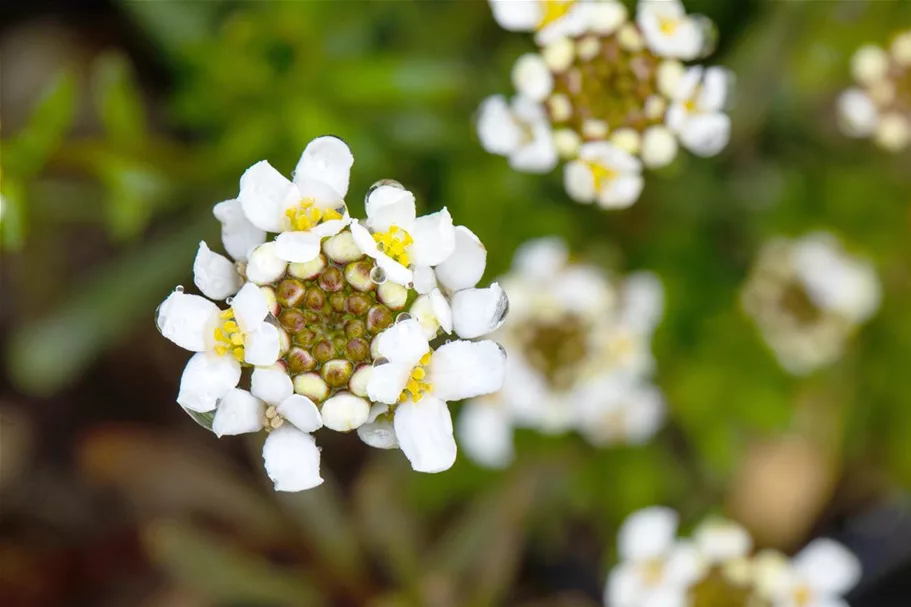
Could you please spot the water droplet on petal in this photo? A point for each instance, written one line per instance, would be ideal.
(179, 288)
(382, 360)
(502, 349)
(387, 182)
(229, 301)
(378, 275)
(403, 317)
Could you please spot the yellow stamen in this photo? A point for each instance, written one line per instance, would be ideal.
(231, 326)
(425, 360)
(229, 313)
(221, 350)
(306, 215)
(668, 26)
(394, 243)
(228, 337)
(416, 388)
(418, 373)
(802, 595)
(554, 10)
(239, 354)
(601, 175)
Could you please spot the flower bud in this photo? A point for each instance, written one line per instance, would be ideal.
(308, 270)
(337, 372)
(344, 412)
(312, 386)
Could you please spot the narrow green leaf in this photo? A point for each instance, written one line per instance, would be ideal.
(13, 215)
(118, 100)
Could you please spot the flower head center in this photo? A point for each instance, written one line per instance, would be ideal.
(718, 588)
(797, 303)
(554, 10)
(601, 175)
(417, 386)
(802, 595)
(668, 25)
(557, 349)
(272, 419)
(394, 242)
(652, 572)
(228, 337)
(306, 215)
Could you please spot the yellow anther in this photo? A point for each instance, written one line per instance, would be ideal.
(419, 373)
(601, 175)
(668, 26)
(220, 335)
(394, 243)
(554, 10)
(237, 339)
(416, 388)
(425, 360)
(413, 386)
(239, 354)
(271, 411)
(231, 326)
(277, 422)
(330, 214)
(229, 313)
(306, 215)
(221, 350)
(229, 338)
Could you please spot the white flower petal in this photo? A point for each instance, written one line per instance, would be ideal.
(659, 147)
(434, 239)
(262, 347)
(465, 369)
(579, 181)
(685, 565)
(271, 384)
(828, 567)
(647, 534)
(433, 313)
(403, 342)
(424, 433)
(485, 434)
(214, 274)
(188, 320)
(327, 159)
(387, 382)
(643, 301)
(425, 279)
(238, 235)
(684, 39)
(250, 308)
(395, 271)
(321, 193)
(477, 312)
(516, 16)
(870, 64)
(715, 86)
(239, 412)
(263, 192)
(388, 206)
(265, 266)
(363, 239)
(465, 266)
(532, 78)
(621, 192)
(291, 459)
(857, 114)
(497, 128)
(706, 134)
(379, 434)
(297, 247)
(541, 259)
(645, 415)
(344, 412)
(302, 412)
(624, 587)
(720, 540)
(207, 378)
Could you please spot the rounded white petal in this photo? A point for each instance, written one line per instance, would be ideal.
(387, 381)
(828, 567)
(327, 159)
(214, 274)
(262, 346)
(579, 181)
(498, 130)
(627, 139)
(465, 369)
(187, 320)
(624, 587)
(378, 434)
(720, 540)
(567, 143)
(206, 379)
(424, 433)
(265, 266)
(395, 271)
(684, 565)
(238, 235)
(685, 38)
(425, 280)
(271, 384)
(363, 239)
(621, 192)
(647, 534)
(434, 239)
(559, 54)
(643, 301)
(532, 78)
(645, 414)
(323, 196)
(433, 313)
(541, 259)
(669, 76)
(516, 16)
(893, 132)
(239, 412)
(297, 247)
(263, 192)
(485, 433)
(659, 147)
(302, 412)
(250, 307)
(606, 17)
(465, 266)
(344, 412)
(857, 114)
(388, 206)
(706, 134)
(477, 312)
(291, 459)
(869, 64)
(687, 83)
(716, 85)
(403, 342)
(539, 155)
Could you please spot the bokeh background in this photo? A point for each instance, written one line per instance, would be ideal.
(124, 122)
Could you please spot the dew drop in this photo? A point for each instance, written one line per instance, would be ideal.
(382, 360)
(378, 275)
(502, 350)
(403, 317)
(178, 289)
(382, 182)
(229, 301)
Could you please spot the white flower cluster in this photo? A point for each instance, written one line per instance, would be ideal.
(339, 322)
(878, 106)
(717, 567)
(607, 94)
(808, 296)
(580, 357)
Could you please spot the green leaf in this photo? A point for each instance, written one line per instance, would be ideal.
(13, 214)
(118, 100)
(222, 571)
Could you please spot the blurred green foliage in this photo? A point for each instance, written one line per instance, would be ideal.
(400, 82)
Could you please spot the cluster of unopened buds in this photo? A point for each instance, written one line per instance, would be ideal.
(879, 105)
(808, 296)
(607, 94)
(718, 566)
(580, 357)
(335, 322)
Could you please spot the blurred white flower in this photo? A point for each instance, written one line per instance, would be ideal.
(877, 106)
(580, 356)
(604, 92)
(819, 576)
(808, 296)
